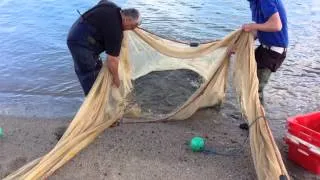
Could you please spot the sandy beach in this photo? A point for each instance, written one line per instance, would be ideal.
(143, 151)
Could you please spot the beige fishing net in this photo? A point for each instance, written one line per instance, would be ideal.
(143, 52)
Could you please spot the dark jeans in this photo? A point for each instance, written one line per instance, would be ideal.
(85, 53)
(268, 61)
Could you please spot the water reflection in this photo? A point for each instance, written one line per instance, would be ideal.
(35, 61)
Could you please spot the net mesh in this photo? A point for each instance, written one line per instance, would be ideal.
(143, 52)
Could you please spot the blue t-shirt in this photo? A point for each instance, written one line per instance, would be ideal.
(262, 10)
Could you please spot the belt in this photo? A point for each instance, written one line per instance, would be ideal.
(279, 50)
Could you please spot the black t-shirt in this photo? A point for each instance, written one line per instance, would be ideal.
(106, 18)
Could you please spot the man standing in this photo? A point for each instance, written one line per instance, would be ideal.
(97, 30)
(271, 29)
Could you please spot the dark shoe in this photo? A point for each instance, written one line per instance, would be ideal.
(117, 123)
(59, 132)
(244, 126)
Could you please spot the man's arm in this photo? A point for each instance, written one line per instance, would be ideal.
(112, 64)
(273, 24)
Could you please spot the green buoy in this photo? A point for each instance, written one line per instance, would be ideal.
(197, 144)
(1, 132)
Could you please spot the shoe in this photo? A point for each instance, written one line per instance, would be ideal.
(59, 132)
(244, 126)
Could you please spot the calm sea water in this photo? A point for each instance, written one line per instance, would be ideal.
(36, 70)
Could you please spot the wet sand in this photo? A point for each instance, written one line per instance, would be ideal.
(154, 151)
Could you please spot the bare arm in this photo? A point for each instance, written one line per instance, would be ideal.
(273, 24)
(112, 64)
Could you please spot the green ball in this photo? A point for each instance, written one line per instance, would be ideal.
(197, 144)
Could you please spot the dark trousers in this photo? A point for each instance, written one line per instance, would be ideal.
(268, 61)
(85, 53)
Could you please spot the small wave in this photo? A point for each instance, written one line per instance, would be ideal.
(4, 2)
(7, 29)
(315, 6)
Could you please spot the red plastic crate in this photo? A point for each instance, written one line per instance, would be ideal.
(304, 154)
(306, 127)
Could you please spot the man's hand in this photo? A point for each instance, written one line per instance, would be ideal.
(249, 27)
(231, 50)
(112, 64)
(253, 28)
